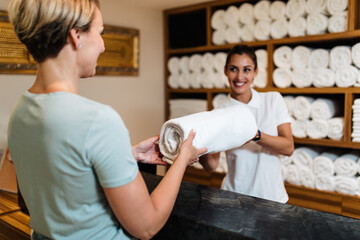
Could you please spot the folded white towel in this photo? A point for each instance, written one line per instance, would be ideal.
(283, 57)
(217, 19)
(174, 65)
(219, 100)
(324, 163)
(219, 61)
(262, 10)
(285, 160)
(184, 65)
(323, 77)
(324, 108)
(319, 58)
(307, 177)
(184, 80)
(232, 34)
(279, 28)
(195, 63)
(214, 130)
(324, 182)
(303, 156)
(301, 78)
(289, 102)
(246, 14)
(300, 57)
(208, 61)
(346, 76)
(262, 29)
(316, 6)
(295, 8)
(208, 79)
(247, 33)
(340, 56)
(261, 57)
(302, 107)
(297, 26)
(355, 54)
(334, 6)
(317, 129)
(195, 80)
(345, 185)
(316, 23)
(346, 164)
(293, 174)
(357, 101)
(282, 77)
(231, 16)
(277, 10)
(336, 128)
(218, 36)
(218, 79)
(298, 128)
(173, 80)
(260, 80)
(337, 22)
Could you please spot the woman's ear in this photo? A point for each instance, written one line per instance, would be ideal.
(74, 38)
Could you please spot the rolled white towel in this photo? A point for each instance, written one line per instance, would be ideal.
(184, 80)
(298, 128)
(218, 36)
(261, 57)
(301, 78)
(282, 77)
(317, 129)
(277, 10)
(262, 10)
(300, 57)
(293, 174)
(184, 65)
(208, 79)
(231, 16)
(319, 58)
(358, 186)
(324, 163)
(232, 34)
(307, 178)
(336, 128)
(355, 54)
(324, 182)
(208, 61)
(283, 57)
(262, 30)
(346, 76)
(337, 23)
(334, 6)
(346, 164)
(303, 156)
(323, 77)
(295, 8)
(289, 102)
(247, 33)
(219, 61)
(297, 26)
(285, 160)
(316, 23)
(196, 63)
(345, 185)
(324, 108)
(279, 28)
(195, 80)
(219, 100)
(214, 130)
(260, 81)
(218, 79)
(340, 56)
(173, 81)
(217, 19)
(316, 6)
(246, 14)
(174, 65)
(302, 107)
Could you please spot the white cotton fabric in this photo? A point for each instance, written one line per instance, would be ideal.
(247, 33)
(208, 61)
(303, 156)
(277, 10)
(217, 19)
(262, 30)
(232, 34)
(231, 16)
(307, 177)
(340, 56)
(346, 76)
(289, 102)
(355, 54)
(283, 57)
(293, 174)
(174, 65)
(282, 77)
(346, 164)
(323, 77)
(319, 58)
(279, 28)
(219, 61)
(324, 182)
(260, 81)
(297, 26)
(285, 160)
(246, 14)
(324, 164)
(262, 10)
(262, 58)
(195, 63)
(214, 130)
(324, 108)
(195, 80)
(295, 8)
(334, 6)
(345, 185)
(298, 128)
(208, 79)
(302, 107)
(219, 100)
(337, 23)
(316, 24)
(317, 129)
(336, 128)
(301, 78)
(173, 81)
(316, 6)
(184, 80)
(218, 36)
(300, 57)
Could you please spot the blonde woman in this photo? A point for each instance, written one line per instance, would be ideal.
(76, 169)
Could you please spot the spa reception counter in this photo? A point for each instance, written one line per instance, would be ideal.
(202, 212)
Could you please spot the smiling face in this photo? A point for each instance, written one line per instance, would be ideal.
(241, 72)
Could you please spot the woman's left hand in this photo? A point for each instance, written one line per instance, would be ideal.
(148, 151)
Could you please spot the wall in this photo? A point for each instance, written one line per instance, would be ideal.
(139, 100)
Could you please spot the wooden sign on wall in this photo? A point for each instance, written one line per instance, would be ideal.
(121, 56)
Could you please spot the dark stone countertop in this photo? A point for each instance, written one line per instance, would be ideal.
(202, 212)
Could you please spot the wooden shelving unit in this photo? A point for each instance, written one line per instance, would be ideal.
(298, 195)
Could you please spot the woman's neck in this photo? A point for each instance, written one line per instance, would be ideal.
(244, 97)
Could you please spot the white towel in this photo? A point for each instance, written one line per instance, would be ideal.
(346, 76)
(173, 81)
(217, 19)
(323, 77)
(285, 160)
(208, 79)
(262, 30)
(317, 129)
(298, 128)
(301, 78)
(232, 34)
(316, 23)
(283, 57)
(307, 178)
(231, 16)
(324, 182)
(346, 164)
(316, 6)
(282, 77)
(195, 63)
(184, 65)
(300, 57)
(336, 128)
(247, 33)
(184, 80)
(260, 81)
(195, 80)
(355, 54)
(324, 164)
(319, 58)
(338, 22)
(334, 6)
(279, 28)
(292, 174)
(345, 185)
(214, 130)
(246, 14)
(297, 26)
(302, 107)
(340, 56)
(289, 102)
(208, 61)
(219, 100)
(324, 108)
(218, 79)
(303, 156)
(174, 65)
(218, 36)
(219, 61)
(295, 8)
(262, 10)
(277, 10)
(261, 57)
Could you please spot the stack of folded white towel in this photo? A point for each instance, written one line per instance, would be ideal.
(182, 107)
(304, 66)
(356, 121)
(332, 170)
(315, 118)
(278, 19)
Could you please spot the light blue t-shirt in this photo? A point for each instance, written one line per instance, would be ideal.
(65, 149)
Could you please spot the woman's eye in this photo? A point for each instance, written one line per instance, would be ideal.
(247, 70)
(233, 69)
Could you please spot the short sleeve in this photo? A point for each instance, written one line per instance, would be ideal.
(282, 115)
(108, 149)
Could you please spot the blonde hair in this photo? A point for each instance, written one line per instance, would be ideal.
(43, 25)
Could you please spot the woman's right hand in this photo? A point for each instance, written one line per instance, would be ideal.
(189, 152)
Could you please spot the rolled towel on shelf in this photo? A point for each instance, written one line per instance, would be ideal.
(260, 81)
(282, 77)
(195, 80)
(262, 30)
(336, 128)
(184, 65)
(246, 14)
(278, 28)
(261, 57)
(338, 22)
(346, 76)
(316, 24)
(295, 8)
(232, 34)
(231, 16)
(218, 36)
(208, 61)
(285, 160)
(289, 102)
(302, 107)
(218, 79)
(174, 65)
(262, 10)
(217, 19)
(324, 108)
(345, 185)
(323, 77)
(173, 81)
(293, 174)
(346, 164)
(219, 100)
(334, 6)
(247, 33)
(307, 178)
(340, 56)
(195, 63)
(297, 26)
(214, 130)
(277, 10)
(300, 57)
(319, 58)
(324, 182)
(184, 80)
(298, 128)
(355, 54)
(301, 78)
(219, 61)
(283, 57)
(208, 79)
(324, 163)
(303, 156)
(317, 129)
(316, 6)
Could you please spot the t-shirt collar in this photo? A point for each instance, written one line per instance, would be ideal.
(254, 101)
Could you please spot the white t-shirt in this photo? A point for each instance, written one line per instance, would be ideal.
(253, 170)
